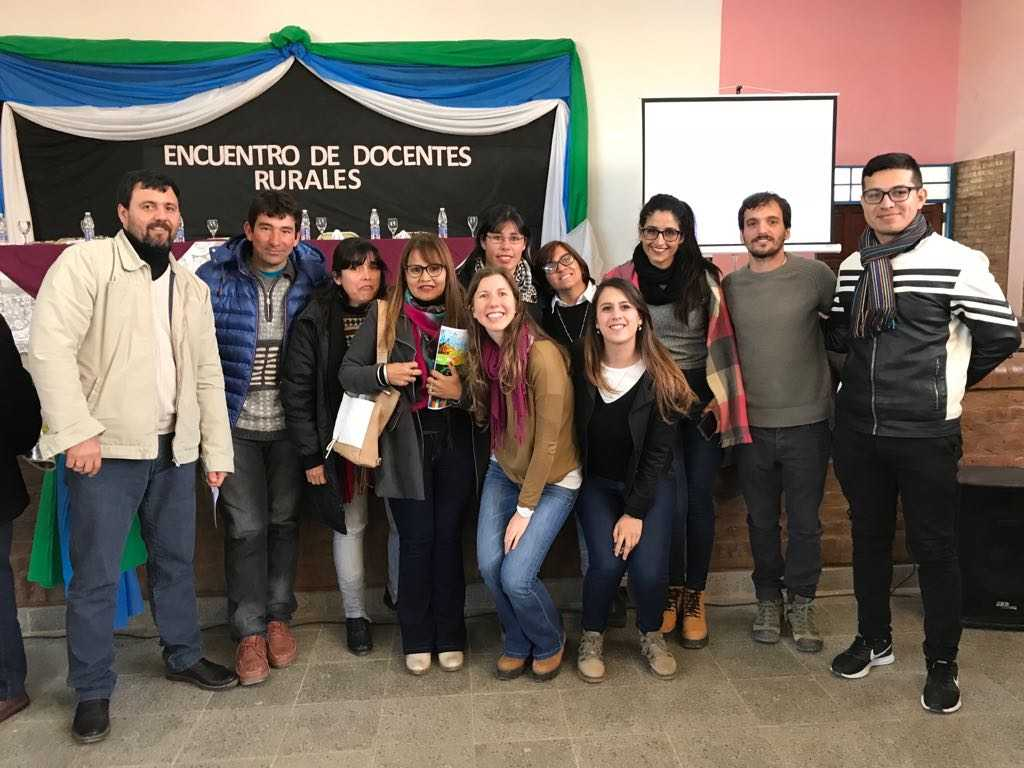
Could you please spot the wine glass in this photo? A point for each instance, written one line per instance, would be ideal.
(24, 226)
(472, 222)
(212, 225)
(393, 226)
(321, 225)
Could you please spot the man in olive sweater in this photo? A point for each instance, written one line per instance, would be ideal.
(776, 304)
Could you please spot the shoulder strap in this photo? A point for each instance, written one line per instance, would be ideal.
(382, 310)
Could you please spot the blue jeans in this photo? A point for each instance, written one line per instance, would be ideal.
(695, 464)
(600, 507)
(12, 649)
(528, 615)
(102, 508)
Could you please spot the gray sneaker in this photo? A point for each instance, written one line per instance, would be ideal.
(767, 627)
(800, 615)
(589, 661)
(659, 658)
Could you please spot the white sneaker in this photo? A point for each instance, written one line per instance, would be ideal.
(451, 661)
(417, 663)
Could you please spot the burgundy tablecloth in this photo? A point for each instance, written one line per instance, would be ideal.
(27, 264)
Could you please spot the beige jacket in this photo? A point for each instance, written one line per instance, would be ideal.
(91, 356)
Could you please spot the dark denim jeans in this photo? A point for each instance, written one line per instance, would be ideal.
(102, 508)
(12, 649)
(529, 617)
(599, 508)
(260, 505)
(873, 471)
(790, 462)
(695, 463)
(432, 600)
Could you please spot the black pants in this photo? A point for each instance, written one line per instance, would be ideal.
(790, 462)
(260, 505)
(431, 579)
(922, 472)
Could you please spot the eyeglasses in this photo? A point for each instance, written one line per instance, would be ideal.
(896, 194)
(494, 237)
(415, 271)
(650, 234)
(565, 260)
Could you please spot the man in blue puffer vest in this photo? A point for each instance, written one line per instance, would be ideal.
(259, 283)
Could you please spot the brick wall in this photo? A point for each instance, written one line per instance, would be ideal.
(983, 206)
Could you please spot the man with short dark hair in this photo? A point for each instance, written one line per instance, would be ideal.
(777, 302)
(921, 318)
(124, 358)
(259, 283)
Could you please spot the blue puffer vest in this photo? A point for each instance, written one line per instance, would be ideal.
(235, 298)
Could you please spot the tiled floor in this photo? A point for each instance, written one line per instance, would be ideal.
(734, 704)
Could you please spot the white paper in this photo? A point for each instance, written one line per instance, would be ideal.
(353, 420)
(198, 254)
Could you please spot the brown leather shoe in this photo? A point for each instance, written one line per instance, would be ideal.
(10, 707)
(509, 668)
(695, 619)
(251, 660)
(547, 669)
(281, 644)
(670, 614)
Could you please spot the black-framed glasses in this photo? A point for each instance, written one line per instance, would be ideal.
(650, 234)
(565, 260)
(896, 194)
(415, 271)
(494, 237)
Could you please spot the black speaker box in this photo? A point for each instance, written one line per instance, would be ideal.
(992, 547)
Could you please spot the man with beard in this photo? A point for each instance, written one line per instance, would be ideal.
(777, 304)
(125, 362)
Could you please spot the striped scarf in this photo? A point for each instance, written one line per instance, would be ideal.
(874, 301)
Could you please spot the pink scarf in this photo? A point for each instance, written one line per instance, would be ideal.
(428, 323)
(492, 364)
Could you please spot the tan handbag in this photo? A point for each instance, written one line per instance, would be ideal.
(384, 404)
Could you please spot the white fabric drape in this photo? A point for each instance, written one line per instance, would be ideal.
(149, 121)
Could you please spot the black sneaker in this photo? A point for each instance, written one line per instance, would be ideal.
(942, 690)
(358, 637)
(857, 660)
(92, 721)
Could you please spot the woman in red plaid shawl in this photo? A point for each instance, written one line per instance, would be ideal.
(683, 290)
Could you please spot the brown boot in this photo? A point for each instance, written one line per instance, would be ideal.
(509, 668)
(695, 622)
(281, 644)
(251, 660)
(670, 614)
(547, 669)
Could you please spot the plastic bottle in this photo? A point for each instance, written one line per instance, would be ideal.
(442, 223)
(304, 231)
(88, 227)
(3, 229)
(374, 224)
(179, 233)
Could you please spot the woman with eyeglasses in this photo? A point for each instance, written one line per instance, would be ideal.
(311, 393)
(426, 455)
(520, 385)
(503, 241)
(568, 276)
(684, 293)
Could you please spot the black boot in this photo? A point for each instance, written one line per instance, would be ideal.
(92, 721)
(357, 633)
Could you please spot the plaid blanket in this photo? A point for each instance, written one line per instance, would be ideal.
(723, 364)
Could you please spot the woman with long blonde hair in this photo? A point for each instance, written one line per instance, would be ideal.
(521, 387)
(425, 453)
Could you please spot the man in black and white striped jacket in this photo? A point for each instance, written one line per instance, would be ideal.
(921, 318)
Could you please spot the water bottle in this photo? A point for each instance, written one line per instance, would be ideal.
(442, 223)
(88, 227)
(179, 233)
(3, 229)
(374, 224)
(304, 227)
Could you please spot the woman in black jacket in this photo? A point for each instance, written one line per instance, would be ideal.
(19, 431)
(311, 394)
(629, 394)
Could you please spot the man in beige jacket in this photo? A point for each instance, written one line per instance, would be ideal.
(125, 361)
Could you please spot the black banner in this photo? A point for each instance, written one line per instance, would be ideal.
(337, 157)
